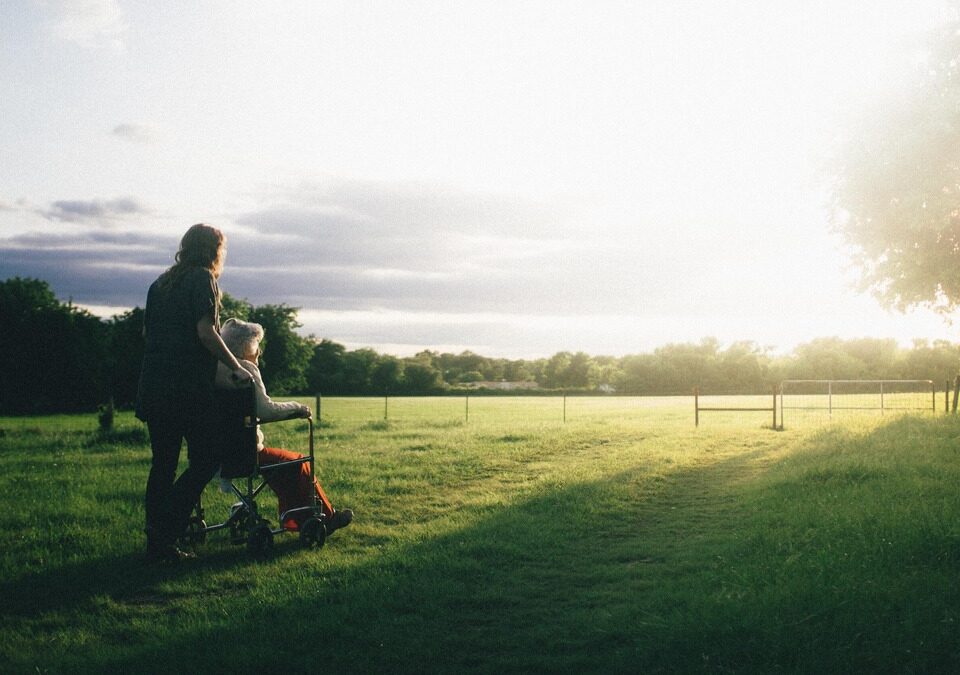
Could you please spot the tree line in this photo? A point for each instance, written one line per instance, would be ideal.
(56, 357)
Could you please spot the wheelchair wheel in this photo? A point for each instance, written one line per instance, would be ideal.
(260, 540)
(195, 533)
(237, 533)
(239, 525)
(312, 533)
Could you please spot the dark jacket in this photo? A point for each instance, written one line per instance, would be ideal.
(177, 375)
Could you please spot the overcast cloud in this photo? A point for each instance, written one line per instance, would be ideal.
(363, 246)
(92, 210)
(351, 246)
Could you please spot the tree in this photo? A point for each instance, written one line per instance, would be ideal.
(420, 377)
(325, 373)
(53, 356)
(554, 370)
(937, 362)
(581, 372)
(680, 367)
(421, 374)
(286, 354)
(742, 369)
(358, 369)
(232, 308)
(518, 371)
(896, 189)
(125, 355)
(639, 371)
(825, 359)
(386, 374)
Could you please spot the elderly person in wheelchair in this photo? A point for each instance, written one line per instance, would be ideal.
(294, 485)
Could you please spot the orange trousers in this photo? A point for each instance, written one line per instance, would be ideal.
(293, 485)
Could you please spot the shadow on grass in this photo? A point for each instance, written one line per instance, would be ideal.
(634, 573)
(73, 585)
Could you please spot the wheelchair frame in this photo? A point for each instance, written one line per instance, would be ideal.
(245, 522)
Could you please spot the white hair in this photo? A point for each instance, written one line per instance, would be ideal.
(241, 336)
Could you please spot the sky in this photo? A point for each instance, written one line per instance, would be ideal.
(512, 178)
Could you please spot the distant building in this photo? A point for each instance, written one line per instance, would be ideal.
(502, 385)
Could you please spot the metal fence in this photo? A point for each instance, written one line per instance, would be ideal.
(740, 404)
(792, 402)
(510, 410)
(801, 400)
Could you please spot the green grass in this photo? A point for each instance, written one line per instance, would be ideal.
(625, 540)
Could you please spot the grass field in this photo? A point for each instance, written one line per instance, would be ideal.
(620, 541)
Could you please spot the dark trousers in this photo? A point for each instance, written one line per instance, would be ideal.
(168, 502)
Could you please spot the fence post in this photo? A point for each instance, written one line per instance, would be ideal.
(386, 399)
(781, 404)
(696, 406)
(318, 400)
(774, 407)
(466, 413)
(956, 393)
(946, 397)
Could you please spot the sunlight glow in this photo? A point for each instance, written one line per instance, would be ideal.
(577, 176)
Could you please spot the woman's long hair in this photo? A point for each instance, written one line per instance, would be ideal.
(202, 246)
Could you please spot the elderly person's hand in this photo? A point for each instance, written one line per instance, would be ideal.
(301, 413)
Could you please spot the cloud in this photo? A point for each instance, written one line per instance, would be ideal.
(78, 210)
(88, 23)
(449, 277)
(363, 245)
(424, 208)
(375, 241)
(18, 205)
(340, 246)
(403, 225)
(88, 274)
(136, 133)
(86, 261)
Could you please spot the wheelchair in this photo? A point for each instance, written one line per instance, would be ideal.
(236, 423)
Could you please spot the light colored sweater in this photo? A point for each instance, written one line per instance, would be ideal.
(268, 410)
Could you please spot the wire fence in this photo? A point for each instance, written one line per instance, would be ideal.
(524, 410)
(812, 402)
(794, 402)
(816, 401)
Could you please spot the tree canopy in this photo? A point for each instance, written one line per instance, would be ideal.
(896, 188)
(55, 357)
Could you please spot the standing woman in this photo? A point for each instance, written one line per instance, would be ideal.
(175, 395)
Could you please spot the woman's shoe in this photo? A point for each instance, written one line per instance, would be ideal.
(339, 519)
(167, 553)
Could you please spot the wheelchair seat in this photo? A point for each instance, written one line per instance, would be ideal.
(235, 412)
